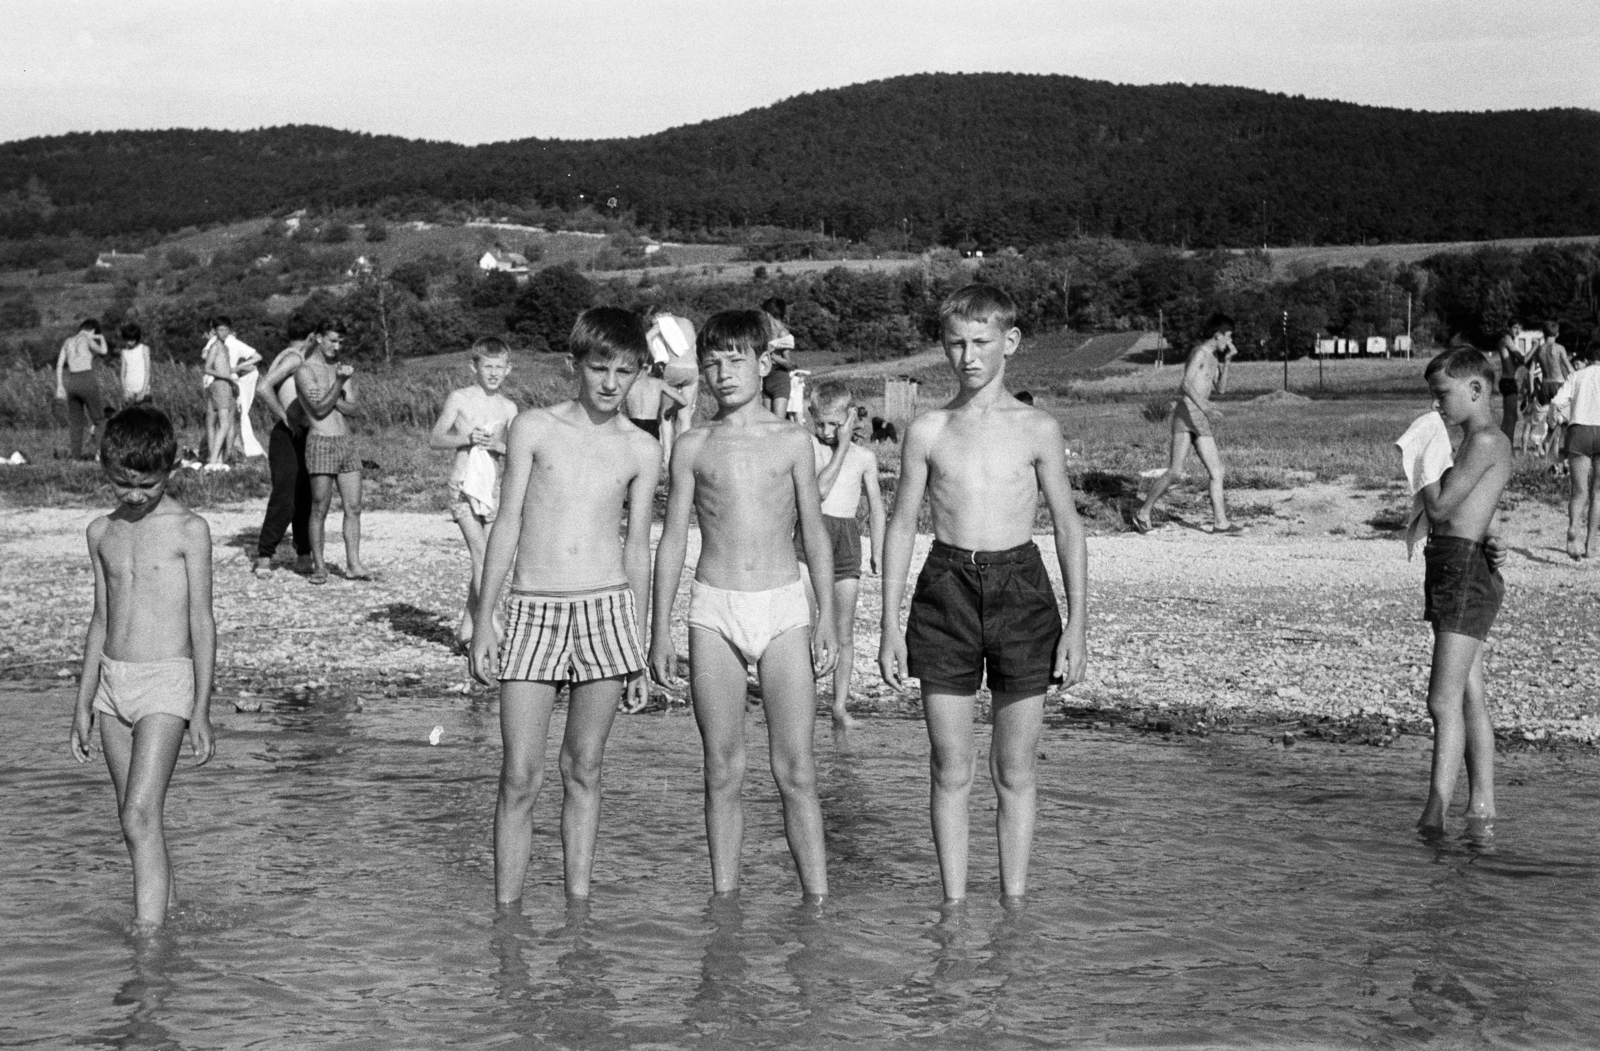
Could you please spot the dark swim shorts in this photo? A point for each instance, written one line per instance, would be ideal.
(983, 610)
(648, 426)
(1460, 593)
(1583, 440)
(845, 538)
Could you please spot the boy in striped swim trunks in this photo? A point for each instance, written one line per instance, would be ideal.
(573, 471)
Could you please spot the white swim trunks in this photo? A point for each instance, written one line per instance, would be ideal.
(131, 690)
(749, 620)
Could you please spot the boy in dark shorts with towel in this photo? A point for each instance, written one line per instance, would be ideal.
(1462, 589)
(572, 472)
(984, 601)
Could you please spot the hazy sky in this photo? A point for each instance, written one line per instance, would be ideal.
(483, 70)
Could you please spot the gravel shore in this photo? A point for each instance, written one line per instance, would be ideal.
(1307, 626)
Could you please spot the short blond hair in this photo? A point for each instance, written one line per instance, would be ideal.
(830, 395)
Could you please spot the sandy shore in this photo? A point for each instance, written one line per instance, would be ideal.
(1306, 625)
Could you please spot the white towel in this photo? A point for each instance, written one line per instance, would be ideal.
(478, 482)
(1425, 455)
(247, 397)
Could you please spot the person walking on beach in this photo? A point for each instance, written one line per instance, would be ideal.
(78, 385)
(1554, 366)
(1577, 401)
(1204, 374)
(1510, 358)
(135, 369)
(572, 472)
(1462, 589)
(150, 651)
(472, 425)
(749, 477)
(984, 605)
(780, 344)
(289, 503)
(324, 389)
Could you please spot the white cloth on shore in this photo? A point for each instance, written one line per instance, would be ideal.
(478, 482)
(1425, 455)
(239, 350)
(1578, 400)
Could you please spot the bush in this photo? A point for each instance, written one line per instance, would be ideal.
(334, 233)
(543, 312)
(376, 230)
(18, 311)
(181, 259)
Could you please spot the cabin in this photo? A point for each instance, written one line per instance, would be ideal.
(503, 261)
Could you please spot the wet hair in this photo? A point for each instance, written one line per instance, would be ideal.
(777, 307)
(90, 325)
(1218, 322)
(1025, 396)
(139, 439)
(830, 394)
(979, 302)
(131, 332)
(490, 347)
(608, 333)
(1461, 363)
(741, 330)
(297, 329)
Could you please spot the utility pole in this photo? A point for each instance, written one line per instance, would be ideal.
(1285, 350)
(1408, 326)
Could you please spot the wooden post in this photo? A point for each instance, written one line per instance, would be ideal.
(899, 399)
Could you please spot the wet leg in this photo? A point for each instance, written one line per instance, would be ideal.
(524, 724)
(477, 543)
(1013, 765)
(717, 688)
(590, 712)
(1211, 459)
(141, 761)
(1453, 658)
(845, 594)
(317, 524)
(1479, 743)
(350, 503)
(789, 695)
(952, 764)
(1594, 507)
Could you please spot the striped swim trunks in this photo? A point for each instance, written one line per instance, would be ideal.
(574, 636)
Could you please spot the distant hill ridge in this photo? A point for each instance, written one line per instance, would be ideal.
(992, 159)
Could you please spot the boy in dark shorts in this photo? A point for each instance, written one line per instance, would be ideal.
(1462, 589)
(984, 601)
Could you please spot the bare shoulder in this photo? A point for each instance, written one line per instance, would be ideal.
(925, 427)
(1489, 443)
(1039, 423)
(97, 530)
(192, 527)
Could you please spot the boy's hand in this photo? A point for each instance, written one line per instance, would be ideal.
(483, 437)
(663, 662)
(1497, 551)
(892, 658)
(1072, 657)
(824, 649)
(482, 658)
(635, 693)
(344, 371)
(200, 739)
(82, 727)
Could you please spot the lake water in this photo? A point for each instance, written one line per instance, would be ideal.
(336, 876)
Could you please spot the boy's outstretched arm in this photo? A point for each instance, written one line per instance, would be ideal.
(819, 554)
(1072, 552)
(875, 513)
(94, 643)
(501, 551)
(670, 555)
(636, 553)
(899, 539)
(202, 634)
(444, 434)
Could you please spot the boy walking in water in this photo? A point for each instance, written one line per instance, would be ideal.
(1204, 374)
(845, 470)
(150, 650)
(983, 601)
(323, 389)
(573, 471)
(749, 476)
(473, 425)
(1462, 589)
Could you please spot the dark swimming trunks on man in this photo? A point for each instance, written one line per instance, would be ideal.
(1461, 594)
(983, 610)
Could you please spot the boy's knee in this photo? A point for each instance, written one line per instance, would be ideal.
(580, 768)
(794, 777)
(724, 769)
(953, 773)
(139, 820)
(519, 786)
(1014, 778)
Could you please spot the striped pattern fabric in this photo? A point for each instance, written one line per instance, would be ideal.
(571, 638)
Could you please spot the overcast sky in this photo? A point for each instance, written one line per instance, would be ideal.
(484, 70)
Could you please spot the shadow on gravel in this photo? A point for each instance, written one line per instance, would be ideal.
(417, 622)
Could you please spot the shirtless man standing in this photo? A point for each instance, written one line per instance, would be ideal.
(324, 390)
(1205, 374)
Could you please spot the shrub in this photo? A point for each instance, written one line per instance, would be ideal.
(18, 311)
(376, 230)
(545, 309)
(181, 259)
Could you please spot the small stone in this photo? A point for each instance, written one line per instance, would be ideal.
(437, 735)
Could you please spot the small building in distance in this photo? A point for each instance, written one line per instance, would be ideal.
(1377, 345)
(503, 261)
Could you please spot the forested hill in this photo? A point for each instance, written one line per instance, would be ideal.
(993, 159)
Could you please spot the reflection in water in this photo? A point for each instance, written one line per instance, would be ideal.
(155, 959)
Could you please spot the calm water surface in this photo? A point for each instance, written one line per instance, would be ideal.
(336, 876)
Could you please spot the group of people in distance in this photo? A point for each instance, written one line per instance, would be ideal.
(78, 386)
(571, 537)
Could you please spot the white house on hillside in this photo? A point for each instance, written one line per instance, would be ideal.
(506, 262)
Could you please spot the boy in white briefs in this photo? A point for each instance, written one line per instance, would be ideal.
(572, 472)
(845, 470)
(748, 476)
(475, 418)
(150, 651)
(135, 365)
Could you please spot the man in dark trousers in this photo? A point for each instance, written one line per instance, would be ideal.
(290, 502)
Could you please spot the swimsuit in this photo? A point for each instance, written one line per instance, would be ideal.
(131, 690)
(845, 538)
(571, 636)
(749, 620)
(1461, 594)
(331, 454)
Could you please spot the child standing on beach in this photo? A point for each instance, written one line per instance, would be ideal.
(324, 390)
(573, 472)
(749, 476)
(845, 470)
(1462, 589)
(983, 600)
(472, 424)
(150, 650)
(135, 365)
